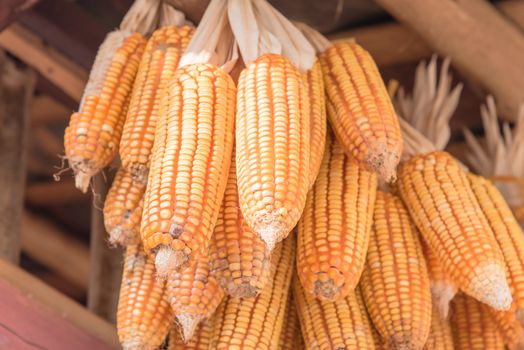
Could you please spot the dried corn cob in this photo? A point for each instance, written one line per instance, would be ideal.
(123, 209)
(144, 315)
(200, 340)
(440, 336)
(157, 67)
(272, 146)
(92, 137)
(256, 323)
(317, 120)
(509, 327)
(189, 166)
(377, 340)
(333, 233)
(443, 289)
(439, 198)
(290, 334)
(239, 259)
(360, 109)
(395, 282)
(327, 325)
(472, 326)
(194, 295)
(507, 231)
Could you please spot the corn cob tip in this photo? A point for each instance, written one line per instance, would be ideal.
(134, 343)
(441, 295)
(119, 236)
(168, 260)
(243, 290)
(490, 287)
(139, 172)
(326, 290)
(270, 229)
(82, 180)
(189, 324)
(384, 163)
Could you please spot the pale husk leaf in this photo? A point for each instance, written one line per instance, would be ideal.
(143, 17)
(319, 42)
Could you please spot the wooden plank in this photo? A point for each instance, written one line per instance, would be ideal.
(16, 89)
(54, 193)
(60, 70)
(106, 263)
(45, 109)
(55, 249)
(11, 9)
(33, 290)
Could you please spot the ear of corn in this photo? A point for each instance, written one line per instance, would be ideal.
(509, 327)
(317, 120)
(159, 63)
(200, 340)
(443, 288)
(194, 295)
(189, 166)
(272, 146)
(472, 326)
(440, 336)
(360, 109)
(395, 282)
(256, 323)
(333, 233)
(326, 325)
(439, 198)
(144, 315)
(239, 259)
(290, 335)
(92, 137)
(123, 209)
(507, 231)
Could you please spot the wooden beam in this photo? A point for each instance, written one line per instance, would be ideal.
(47, 244)
(513, 10)
(46, 110)
(60, 70)
(11, 9)
(473, 35)
(54, 193)
(32, 289)
(106, 263)
(16, 89)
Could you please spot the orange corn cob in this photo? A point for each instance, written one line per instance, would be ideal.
(194, 295)
(239, 259)
(443, 289)
(327, 325)
(123, 209)
(317, 120)
(92, 137)
(377, 340)
(158, 64)
(333, 233)
(509, 327)
(395, 282)
(200, 340)
(189, 166)
(144, 315)
(290, 335)
(440, 336)
(360, 109)
(439, 198)
(507, 231)
(472, 326)
(272, 146)
(256, 323)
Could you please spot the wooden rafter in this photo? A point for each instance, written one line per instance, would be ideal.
(10, 9)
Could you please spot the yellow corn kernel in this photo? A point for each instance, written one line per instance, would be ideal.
(238, 257)
(333, 233)
(194, 295)
(472, 326)
(360, 109)
(509, 327)
(144, 315)
(507, 231)
(272, 146)
(439, 198)
(158, 65)
(123, 209)
(440, 336)
(290, 336)
(200, 340)
(443, 289)
(327, 325)
(317, 120)
(189, 165)
(395, 282)
(256, 323)
(92, 137)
